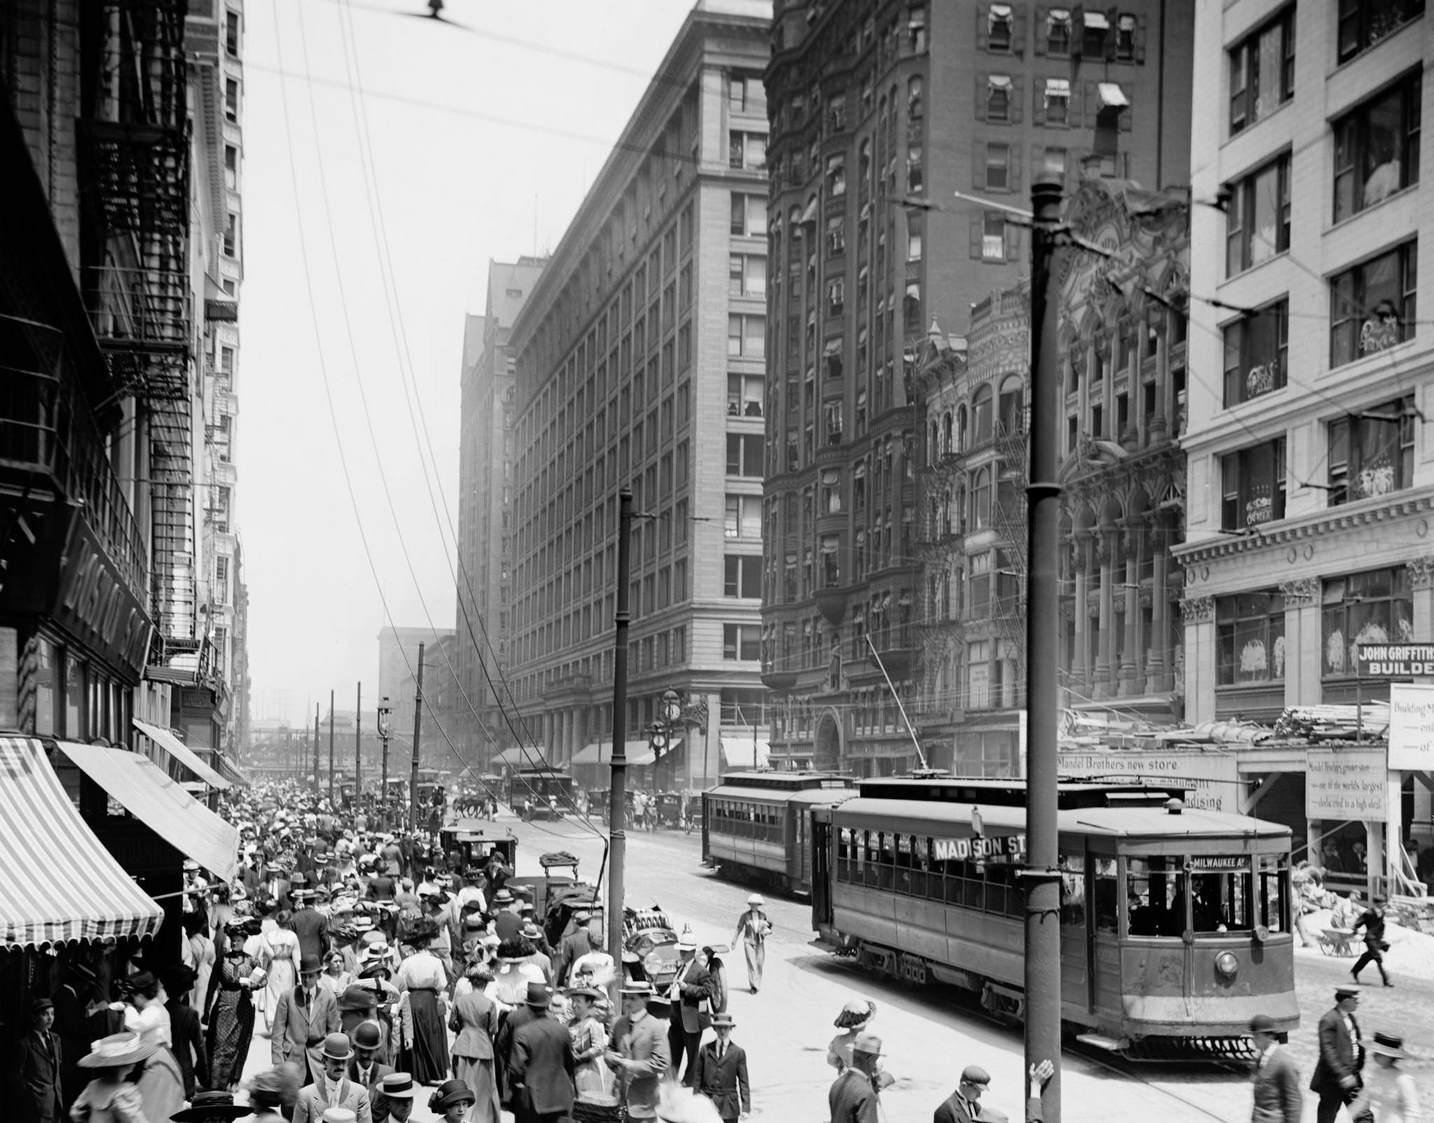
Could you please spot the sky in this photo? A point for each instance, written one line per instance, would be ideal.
(387, 159)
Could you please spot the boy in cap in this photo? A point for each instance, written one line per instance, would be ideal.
(1277, 1095)
(721, 1072)
(964, 1104)
(1372, 921)
(39, 1067)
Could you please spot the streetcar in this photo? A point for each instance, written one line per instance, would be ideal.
(541, 793)
(1175, 924)
(757, 825)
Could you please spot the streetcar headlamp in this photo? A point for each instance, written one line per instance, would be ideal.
(1227, 963)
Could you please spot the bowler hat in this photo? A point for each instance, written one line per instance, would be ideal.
(869, 1044)
(538, 996)
(338, 1047)
(367, 1035)
(310, 965)
(207, 1106)
(1262, 1023)
(356, 997)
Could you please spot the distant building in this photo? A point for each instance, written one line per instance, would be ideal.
(486, 456)
(880, 111)
(397, 681)
(640, 362)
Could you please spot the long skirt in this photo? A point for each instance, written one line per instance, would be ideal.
(231, 1028)
(428, 1055)
(161, 1085)
(482, 1081)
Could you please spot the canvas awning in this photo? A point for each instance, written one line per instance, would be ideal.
(1111, 95)
(740, 751)
(182, 753)
(600, 753)
(61, 884)
(518, 757)
(1096, 20)
(148, 793)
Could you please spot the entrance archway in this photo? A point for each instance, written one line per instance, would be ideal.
(826, 756)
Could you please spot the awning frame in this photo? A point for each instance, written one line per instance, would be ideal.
(182, 753)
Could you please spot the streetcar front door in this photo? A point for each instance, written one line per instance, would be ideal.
(821, 870)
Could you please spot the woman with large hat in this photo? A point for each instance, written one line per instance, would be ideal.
(423, 982)
(231, 1014)
(854, 1018)
(109, 1097)
(212, 1107)
(1388, 1090)
(594, 1084)
(451, 1100)
(161, 1080)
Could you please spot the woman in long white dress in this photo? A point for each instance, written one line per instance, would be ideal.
(1389, 1091)
(281, 961)
(161, 1082)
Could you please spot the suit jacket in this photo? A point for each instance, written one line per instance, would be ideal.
(543, 1064)
(313, 1102)
(475, 1017)
(297, 1027)
(1340, 1055)
(377, 1103)
(851, 1098)
(693, 984)
(644, 1044)
(39, 1064)
(574, 946)
(1278, 1098)
(312, 928)
(188, 1045)
(724, 1081)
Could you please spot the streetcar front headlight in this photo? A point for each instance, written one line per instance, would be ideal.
(1227, 963)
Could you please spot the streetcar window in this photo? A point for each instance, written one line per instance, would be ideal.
(1155, 896)
(1072, 867)
(1274, 891)
(1221, 898)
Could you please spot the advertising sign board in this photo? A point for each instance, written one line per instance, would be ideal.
(1411, 727)
(1212, 779)
(1346, 784)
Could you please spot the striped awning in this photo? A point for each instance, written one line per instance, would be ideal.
(233, 772)
(146, 791)
(59, 882)
(182, 753)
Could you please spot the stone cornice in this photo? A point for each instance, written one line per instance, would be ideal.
(1333, 520)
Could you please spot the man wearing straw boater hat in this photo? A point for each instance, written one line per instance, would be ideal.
(393, 1098)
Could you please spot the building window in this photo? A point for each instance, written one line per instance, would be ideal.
(836, 235)
(1363, 23)
(1253, 489)
(1376, 148)
(1371, 607)
(231, 99)
(231, 34)
(915, 228)
(836, 296)
(744, 395)
(231, 234)
(1372, 453)
(1058, 31)
(746, 150)
(746, 336)
(746, 94)
(1372, 306)
(1262, 71)
(743, 518)
(1126, 32)
(1257, 216)
(231, 167)
(999, 30)
(744, 454)
(741, 641)
(991, 238)
(1095, 30)
(1056, 100)
(915, 99)
(1053, 161)
(742, 576)
(836, 176)
(747, 275)
(998, 167)
(1255, 353)
(915, 170)
(749, 215)
(998, 98)
(1250, 637)
(978, 675)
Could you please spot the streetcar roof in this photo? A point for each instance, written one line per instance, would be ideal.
(786, 781)
(954, 820)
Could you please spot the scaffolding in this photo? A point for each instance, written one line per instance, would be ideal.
(134, 152)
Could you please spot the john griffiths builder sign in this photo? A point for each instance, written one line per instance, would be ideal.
(1396, 660)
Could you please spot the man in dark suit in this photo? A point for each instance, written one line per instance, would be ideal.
(39, 1063)
(721, 1073)
(852, 1097)
(573, 947)
(302, 1018)
(1372, 921)
(186, 1039)
(1276, 1080)
(690, 995)
(517, 1018)
(1336, 1078)
(542, 1065)
(310, 925)
(366, 1069)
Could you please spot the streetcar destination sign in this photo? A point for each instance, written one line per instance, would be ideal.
(969, 849)
(1395, 660)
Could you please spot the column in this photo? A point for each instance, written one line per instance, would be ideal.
(1157, 678)
(1132, 676)
(1105, 670)
(1303, 647)
(1080, 622)
(1421, 586)
(1200, 654)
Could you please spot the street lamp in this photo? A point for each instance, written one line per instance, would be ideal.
(385, 730)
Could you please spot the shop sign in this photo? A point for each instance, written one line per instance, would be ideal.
(1346, 784)
(97, 607)
(1211, 780)
(1395, 660)
(1411, 727)
(973, 849)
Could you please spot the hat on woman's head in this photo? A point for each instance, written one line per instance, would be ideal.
(116, 1050)
(855, 1014)
(448, 1093)
(206, 1107)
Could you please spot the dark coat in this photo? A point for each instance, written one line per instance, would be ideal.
(542, 1069)
(39, 1068)
(189, 1048)
(378, 1104)
(724, 1081)
(515, 1020)
(574, 946)
(1340, 1056)
(1278, 1098)
(694, 984)
(852, 1099)
(952, 1110)
(312, 928)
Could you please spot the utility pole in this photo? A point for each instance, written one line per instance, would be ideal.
(617, 805)
(331, 748)
(385, 730)
(316, 746)
(1043, 512)
(417, 732)
(358, 745)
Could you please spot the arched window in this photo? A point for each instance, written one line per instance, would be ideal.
(946, 445)
(962, 431)
(981, 500)
(981, 409)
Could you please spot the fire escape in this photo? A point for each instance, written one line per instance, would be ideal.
(134, 151)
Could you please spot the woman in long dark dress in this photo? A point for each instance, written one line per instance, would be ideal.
(231, 1012)
(422, 979)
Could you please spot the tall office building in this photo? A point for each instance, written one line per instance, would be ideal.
(1310, 485)
(640, 356)
(398, 683)
(880, 111)
(486, 455)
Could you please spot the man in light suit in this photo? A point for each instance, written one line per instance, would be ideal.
(333, 1088)
(302, 1018)
(1278, 1098)
(690, 995)
(367, 1069)
(721, 1073)
(1336, 1078)
(639, 1055)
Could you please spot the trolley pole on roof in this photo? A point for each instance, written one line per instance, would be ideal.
(1042, 881)
(617, 807)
